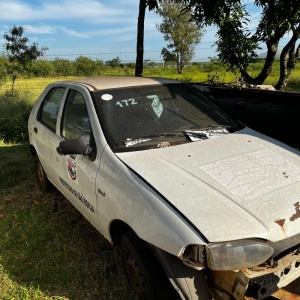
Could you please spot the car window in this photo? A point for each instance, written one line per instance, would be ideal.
(75, 120)
(137, 112)
(50, 107)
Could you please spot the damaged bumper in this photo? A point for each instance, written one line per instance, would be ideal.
(255, 283)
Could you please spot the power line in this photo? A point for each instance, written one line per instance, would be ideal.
(120, 52)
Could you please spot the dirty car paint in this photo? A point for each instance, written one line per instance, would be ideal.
(217, 184)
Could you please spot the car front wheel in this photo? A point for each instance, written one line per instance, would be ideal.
(143, 270)
(41, 177)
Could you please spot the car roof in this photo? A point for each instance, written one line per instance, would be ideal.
(101, 83)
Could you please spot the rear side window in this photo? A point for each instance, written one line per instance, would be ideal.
(75, 120)
(50, 107)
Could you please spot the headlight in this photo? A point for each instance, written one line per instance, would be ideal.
(193, 256)
(236, 255)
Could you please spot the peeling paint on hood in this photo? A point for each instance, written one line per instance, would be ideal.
(235, 186)
(251, 175)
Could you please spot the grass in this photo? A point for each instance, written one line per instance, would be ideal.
(47, 249)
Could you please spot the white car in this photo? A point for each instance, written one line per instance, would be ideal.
(202, 206)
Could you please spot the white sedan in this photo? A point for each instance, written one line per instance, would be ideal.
(202, 206)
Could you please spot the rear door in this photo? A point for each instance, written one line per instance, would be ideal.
(45, 128)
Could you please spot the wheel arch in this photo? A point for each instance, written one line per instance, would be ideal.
(32, 150)
(117, 229)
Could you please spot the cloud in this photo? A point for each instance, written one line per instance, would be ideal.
(70, 9)
(43, 29)
(46, 29)
(74, 33)
(113, 31)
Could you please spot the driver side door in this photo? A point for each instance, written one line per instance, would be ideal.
(77, 173)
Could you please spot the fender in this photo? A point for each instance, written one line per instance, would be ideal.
(125, 196)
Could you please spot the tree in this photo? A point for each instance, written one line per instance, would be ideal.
(167, 55)
(181, 34)
(114, 63)
(19, 53)
(237, 46)
(3, 64)
(84, 66)
(42, 68)
(152, 4)
(63, 67)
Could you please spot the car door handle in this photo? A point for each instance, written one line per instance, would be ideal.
(35, 130)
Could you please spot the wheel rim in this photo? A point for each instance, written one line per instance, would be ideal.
(40, 173)
(134, 275)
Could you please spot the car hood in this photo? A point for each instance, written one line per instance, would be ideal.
(235, 186)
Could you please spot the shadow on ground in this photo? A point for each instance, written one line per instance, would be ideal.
(46, 245)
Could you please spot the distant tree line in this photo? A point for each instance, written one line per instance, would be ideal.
(81, 66)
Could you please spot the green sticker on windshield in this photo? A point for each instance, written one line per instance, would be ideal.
(156, 105)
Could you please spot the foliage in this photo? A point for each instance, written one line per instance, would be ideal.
(14, 114)
(168, 55)
(3, 72)
(130, 65)
(114, 63)
(237, 46)
(151, 64)
(41, 68)
(19, 53)
(63, 67)
(181, 34)
(85, 66)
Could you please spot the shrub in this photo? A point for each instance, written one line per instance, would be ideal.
(14, 115)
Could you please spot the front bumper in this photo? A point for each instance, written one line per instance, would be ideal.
(255, 283)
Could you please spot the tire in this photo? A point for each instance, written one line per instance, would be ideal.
(41, 177)
(143, 270)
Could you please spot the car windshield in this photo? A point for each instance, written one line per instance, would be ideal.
(138, 116)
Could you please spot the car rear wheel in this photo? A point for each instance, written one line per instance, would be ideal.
(143, 270)
(41, 177)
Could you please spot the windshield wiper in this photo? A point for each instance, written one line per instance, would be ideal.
(204, 133)
(131, 142)
(207, 128)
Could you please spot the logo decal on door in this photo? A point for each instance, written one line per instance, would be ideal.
(72, 169)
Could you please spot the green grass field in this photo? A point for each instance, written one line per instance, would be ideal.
(47, 249)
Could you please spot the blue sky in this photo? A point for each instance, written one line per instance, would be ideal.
(101, 29)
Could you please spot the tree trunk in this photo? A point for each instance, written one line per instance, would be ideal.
(179, 63)
(140, 39)
(267, 68)
(13, 79)
(287, 61)
(272, 46)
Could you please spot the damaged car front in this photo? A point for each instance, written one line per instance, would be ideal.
(242, 195)
(238, 188)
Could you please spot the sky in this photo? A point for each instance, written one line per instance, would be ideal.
(102, 29)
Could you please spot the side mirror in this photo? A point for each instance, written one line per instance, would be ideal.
(73, 147)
